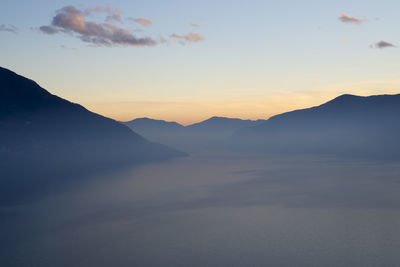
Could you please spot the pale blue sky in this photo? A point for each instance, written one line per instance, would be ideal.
(258, 57)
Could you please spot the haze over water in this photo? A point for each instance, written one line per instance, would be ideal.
(215, 209)
(197, 133)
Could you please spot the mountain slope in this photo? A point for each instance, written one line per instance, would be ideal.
(347, 124)
(38, 126)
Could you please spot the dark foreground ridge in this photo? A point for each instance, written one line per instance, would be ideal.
(347, 125)
(43, 131)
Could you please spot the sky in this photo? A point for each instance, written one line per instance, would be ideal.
(186, 61)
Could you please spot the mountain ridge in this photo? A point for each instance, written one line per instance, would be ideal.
(210, 133)
(346, 124)
(34, 121)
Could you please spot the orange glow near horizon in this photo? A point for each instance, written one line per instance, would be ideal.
(249, 107)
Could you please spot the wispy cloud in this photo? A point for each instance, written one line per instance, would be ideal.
(142, 21)
(195, 25)
(69, 19)
(114, 14)
(48, 29)
(383, 44)
(188, 38)
(8, 28)
(350, 19)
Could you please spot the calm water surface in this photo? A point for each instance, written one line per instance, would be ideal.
(214, 210)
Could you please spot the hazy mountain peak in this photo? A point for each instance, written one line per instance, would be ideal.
(148, 122)
(350, 99)
(218, 120)
(348, 124)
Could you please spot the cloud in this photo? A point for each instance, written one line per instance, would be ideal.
(9, 28)
(113, 14)
(194, 25)
(74, 21)
(350, 19)
(48, 29)
(383, 44)
(142, 21)
(188, 38)
(69, 19)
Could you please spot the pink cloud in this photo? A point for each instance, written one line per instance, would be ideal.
(142, 21)
(113, 14)
(188, 38)
(69, 19)
(350, 19)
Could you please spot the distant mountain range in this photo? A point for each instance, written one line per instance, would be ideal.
(208, 134)
(348, 124)
(222, 125)
(146, 126)
(37, 126)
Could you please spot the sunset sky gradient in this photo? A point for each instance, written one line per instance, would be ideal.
(190, 60)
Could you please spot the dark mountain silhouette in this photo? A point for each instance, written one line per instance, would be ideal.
(210, 133)
(47, 142)
(37, 125)
(348, 124)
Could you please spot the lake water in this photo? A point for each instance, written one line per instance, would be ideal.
(214, 210)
